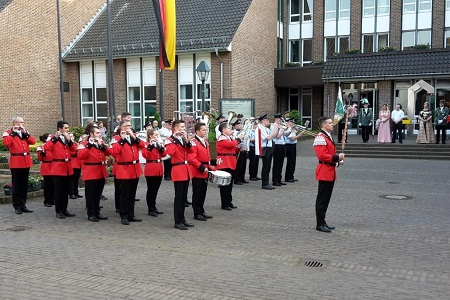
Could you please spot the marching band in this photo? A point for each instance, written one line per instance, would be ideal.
(170, 153)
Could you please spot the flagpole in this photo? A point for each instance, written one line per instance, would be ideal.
(161, 93)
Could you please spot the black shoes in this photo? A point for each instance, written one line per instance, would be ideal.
(136, 200)
(253, 179)
(323, 228)
(117, 210)
(282, 183)
(330, 226)
(68, 214)
(187, 224)
(158, 212)
(152, 213)
(206, 216)
(134, 219)
(71, 196)
(78, 196)
(25, 210)
(232, 205)
(290, 180)
(180, 226)
(188, 203)
(276, 184)
(93, 219)
(245, 181)
(268, 187)
(167, 178)
(47, 205)
(238, 183)
(100, 217)
(226, 208)
(18, 211)
(103, 198)
(60, 216)
(200, 218)
(124, 222)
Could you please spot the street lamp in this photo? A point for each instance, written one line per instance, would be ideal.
(203, 73)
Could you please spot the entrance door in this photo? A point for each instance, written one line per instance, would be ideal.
(372, 96)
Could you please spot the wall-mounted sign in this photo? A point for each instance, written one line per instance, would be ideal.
(243, 106)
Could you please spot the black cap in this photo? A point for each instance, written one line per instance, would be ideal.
(238, 121)
(147, 124)
(220, 117)
(263, 117)
(277, 115)
(290, 120)
(168, 121)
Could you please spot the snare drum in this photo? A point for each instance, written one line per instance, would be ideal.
(221, 178)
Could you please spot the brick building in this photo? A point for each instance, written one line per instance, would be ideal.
(394, 52)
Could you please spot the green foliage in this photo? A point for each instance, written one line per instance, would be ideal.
(77, 131)
(35, 179)
(3, 147)
(387, 48)
(157, 117)
(296, 116)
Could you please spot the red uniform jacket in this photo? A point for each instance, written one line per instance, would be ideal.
(200, 159)
(76, 163)
(115, 139)
(46, 162)
(61, 152)
(179, 153)
(127, 158)
(18, 148)
(227, 150)
(153, 166)
(93, 160)
(326, 153)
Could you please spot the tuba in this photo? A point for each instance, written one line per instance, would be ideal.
(231, 116)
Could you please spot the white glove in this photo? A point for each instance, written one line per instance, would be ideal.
(349, 123)
(359, 124)
(370, 124)
(440, 121)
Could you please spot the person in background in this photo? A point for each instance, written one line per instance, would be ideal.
(102, 129)
(266, 136)
(76, 166)
(46, 172)
(365, 120)
(426, 132)
(291, 136)
(440, 121)
(155, 125)
(165, 133)
(18, 141)
(341, 124)
(397, 116)
(279, 152)
(252, 157)
(384, 125)
(219, 119)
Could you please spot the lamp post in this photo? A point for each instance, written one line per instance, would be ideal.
(203, 73)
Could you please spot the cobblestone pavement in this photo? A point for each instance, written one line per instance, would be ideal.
(381, 249)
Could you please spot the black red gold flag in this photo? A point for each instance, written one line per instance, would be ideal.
(166, 17)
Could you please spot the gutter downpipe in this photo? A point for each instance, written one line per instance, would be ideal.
(221, 75)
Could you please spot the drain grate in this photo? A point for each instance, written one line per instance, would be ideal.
(18, 228)
(393, 182)
(313, 264)
(396, 197)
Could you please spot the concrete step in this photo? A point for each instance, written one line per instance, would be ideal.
(399, 151)
(397, 156)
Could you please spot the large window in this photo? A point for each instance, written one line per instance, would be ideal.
(295, 10)
(307, 51)
(339, 9)
(383, 7)
(344, 9)
(307, 10)
(93, 91)
(295, 51)
(414, 38)
(447, 38)
(368, 45)
(374, 42)
(336, 44)
(330, 9)
(301, 99)
(410, 6)
(369, 8)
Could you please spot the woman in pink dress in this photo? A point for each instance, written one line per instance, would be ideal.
(383, 125)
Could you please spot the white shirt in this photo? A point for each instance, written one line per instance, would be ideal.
(165, 133)
(218, 133)
(264, 133)
(397, 115)
(278, 141)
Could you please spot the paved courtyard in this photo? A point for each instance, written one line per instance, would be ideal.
(267, 248)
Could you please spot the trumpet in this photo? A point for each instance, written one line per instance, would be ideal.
(304, 128)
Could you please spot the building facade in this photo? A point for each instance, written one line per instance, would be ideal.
(393, 52)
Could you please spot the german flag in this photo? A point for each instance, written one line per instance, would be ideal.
(167, 23)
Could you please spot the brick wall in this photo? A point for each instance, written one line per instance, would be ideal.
(438, 23)
(254, 56)
(395, 33)
(318, 38)
(385, 94)
(29, 72)
(355, 24)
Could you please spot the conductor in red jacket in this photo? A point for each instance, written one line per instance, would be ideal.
(325, 171)
(178, 146)
(92, 154)
(17, 139)
(61, 147)
(127, 170)
(200, 163)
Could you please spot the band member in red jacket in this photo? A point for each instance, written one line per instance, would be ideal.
(61, 146)
(92, 153)
(178, 146)
(46, 172)
(227, 149)
(75, 177)
(18, 139)
(127, 170)
(153, 171)
(325, 171)
(200, 163)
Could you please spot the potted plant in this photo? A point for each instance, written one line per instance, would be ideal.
(34, 182)
(7, 188)
(387, 49)
(3, 158)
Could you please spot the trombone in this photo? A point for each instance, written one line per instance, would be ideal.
(304, 129)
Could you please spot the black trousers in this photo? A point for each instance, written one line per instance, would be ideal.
(440, 128)
(167, 167)
(199, 188)
(127, 195)
(61, 192)
(20, 186)
(253, 162)
(116, 192)
(153, 184)
(279, 152)
(74, 181)
(48, 190)
(323, 199)
(241, 166)
(365, 132)
(341, 127)
(291, 160)
(93, 190)
(226, 198)
(181, 191)
(266, 164)
(397, 129)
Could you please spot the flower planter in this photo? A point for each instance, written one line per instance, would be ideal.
(33, 188)
(7, 190)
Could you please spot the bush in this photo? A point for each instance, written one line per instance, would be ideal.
(3, 147)
(293, 114)
(77, 131)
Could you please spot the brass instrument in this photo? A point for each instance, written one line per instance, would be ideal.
(304, 129)
(231, 116)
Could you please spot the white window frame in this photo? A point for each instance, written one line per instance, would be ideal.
(295, 16)
(447, 37)
(290, 51)
(310, 93)
(369, 11)
(92, 77)
(306, 62)
(330, 10)
(385, 5)
(344, 13)
(447, 5)
(423, 3)
(198, 95)
(311, 8)
(411, 4)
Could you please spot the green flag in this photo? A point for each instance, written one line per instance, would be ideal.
(339, 111)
